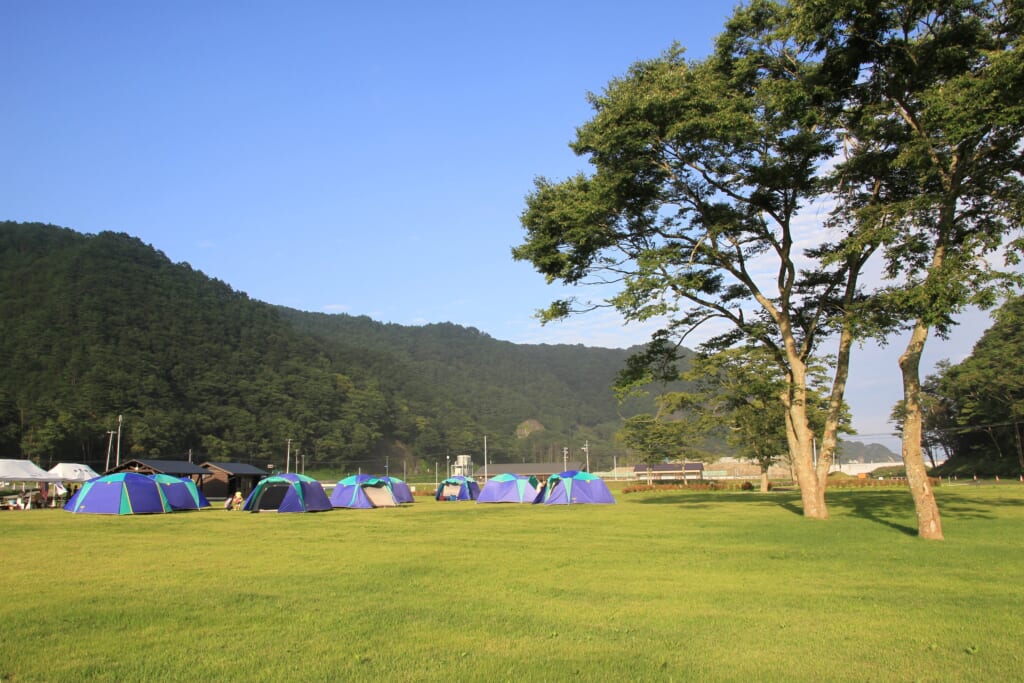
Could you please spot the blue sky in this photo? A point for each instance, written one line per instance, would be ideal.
(365, 158)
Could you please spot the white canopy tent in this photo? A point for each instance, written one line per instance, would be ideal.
(73, 473)
(25, 471)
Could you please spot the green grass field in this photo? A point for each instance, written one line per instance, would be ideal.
(673, 586)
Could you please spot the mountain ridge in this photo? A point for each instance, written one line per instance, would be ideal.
(104, 324)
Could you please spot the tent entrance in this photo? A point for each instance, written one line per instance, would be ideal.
(379, 496)
(271, 497)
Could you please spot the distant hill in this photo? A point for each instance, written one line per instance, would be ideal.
(855, 451)
(102, 325)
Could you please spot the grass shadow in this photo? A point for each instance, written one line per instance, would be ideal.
(888, 507)
(707, 499)
(881, 507)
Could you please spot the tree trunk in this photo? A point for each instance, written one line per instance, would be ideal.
(830, 435)
(764, 478)
(929, 523)
(800, 438)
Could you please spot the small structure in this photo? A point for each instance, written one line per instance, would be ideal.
(463, 466)
(175, 468)
(288, 492)
(673, 471)
(509, 488)
(227, 477)
(457, 488)
(572, 487)
(121, 493)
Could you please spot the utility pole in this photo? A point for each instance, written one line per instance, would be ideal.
(288, 457)
(565, 458)
(586, 450)
(110, 442)
(120, 418)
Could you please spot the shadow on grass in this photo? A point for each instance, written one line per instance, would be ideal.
(889, 507)
(706, 499)
(881, 507)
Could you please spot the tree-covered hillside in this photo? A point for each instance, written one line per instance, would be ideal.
(97, 326)
(975, 409)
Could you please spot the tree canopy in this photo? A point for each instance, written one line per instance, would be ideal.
(705, 171)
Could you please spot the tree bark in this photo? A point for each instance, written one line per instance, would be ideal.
(800, 437)
(929, 522)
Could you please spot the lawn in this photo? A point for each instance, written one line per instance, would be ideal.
(665, 586)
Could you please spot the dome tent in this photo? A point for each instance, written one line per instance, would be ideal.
(457, 488)
(122, 493)
(509, 488)
(363, 491)
(181, 493)
(573, 486)
(399, 489)
(288, 492)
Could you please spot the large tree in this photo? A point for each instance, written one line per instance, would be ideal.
(904, 116)
(932, 112)
(701, 170)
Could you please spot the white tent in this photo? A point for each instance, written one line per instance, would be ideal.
(73, 472)
(24, 471)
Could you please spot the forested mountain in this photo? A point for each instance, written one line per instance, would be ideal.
(101, 325)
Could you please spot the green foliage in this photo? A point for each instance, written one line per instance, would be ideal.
(979, 402)
(104, 325)
(932, 122)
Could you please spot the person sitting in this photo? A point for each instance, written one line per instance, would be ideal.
(237, 502)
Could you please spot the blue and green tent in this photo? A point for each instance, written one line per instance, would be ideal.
(123, 493)
(288, 492)
(363, 491)
(399, 489)
(457, 488)
(509, 488)
(180, 492)
(572, 486)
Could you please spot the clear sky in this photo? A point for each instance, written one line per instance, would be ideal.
(365, 158)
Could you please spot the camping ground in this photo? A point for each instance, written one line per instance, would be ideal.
(661, 586)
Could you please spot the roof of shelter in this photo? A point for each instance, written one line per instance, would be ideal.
(179, 468)
(236, 468)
